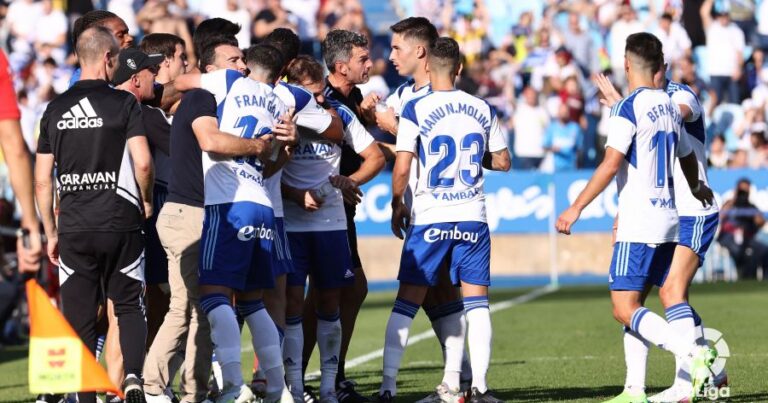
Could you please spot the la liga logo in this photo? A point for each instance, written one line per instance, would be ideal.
(718, 388)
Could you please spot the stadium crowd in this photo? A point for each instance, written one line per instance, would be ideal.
(531, 58)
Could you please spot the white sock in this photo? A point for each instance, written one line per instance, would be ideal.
(479, 334)
(656, 330)
(636, 358)
(292, 351)
(266, 344)
(444, 325)
(454, 327)
(225, 334)
(395, 340)
(329, 344)
(680, 318)
(698, 327)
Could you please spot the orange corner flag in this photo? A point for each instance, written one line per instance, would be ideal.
(59, 362)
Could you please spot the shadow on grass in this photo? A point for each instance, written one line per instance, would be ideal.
(13, 353)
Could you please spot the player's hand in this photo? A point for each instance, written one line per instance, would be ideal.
(387, 120)
(400, 219)
(704, 195)
(610, 95)
(263, 147)
(53, 249)
(369, 102)
(148, 210)
(567, 219)
(350, 191)
(285, 130)
(312, 201)
(29, 257)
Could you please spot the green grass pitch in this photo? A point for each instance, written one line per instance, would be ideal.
(563, 346)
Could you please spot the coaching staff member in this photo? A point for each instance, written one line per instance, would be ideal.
(95, 137)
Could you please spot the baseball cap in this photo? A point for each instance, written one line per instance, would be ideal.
(132, 61)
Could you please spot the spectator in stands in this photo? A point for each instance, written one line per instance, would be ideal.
(538, 54)
(305, 12)
(156, 18)
(559, 68)
(758, 151)
(675, 41)
(718, 154)
(271, 17)
(579, 42)
(572, 96)
(626, 25)
(51, 40)
(562, 139)
(741, 220)
(529, 121)
(239, 15)
(469, 29)
(725, 52)
(739, 159)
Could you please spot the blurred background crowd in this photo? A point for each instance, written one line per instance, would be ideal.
(532, 59)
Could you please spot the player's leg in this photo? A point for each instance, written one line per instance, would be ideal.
(309, 325)
(123, 256)
(265, 334)
(419, 265)
(80, 281)
(224, 266)
(635, 358)
(299, 244)
(471, 265)
(331, 267)
(353, 298)
(113, 356)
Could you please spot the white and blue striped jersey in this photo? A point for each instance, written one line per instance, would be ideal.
(449, 132)
(314, 160)
(308, 114)
(397, 100)
(646, 127)
(248, 109)
(693, 128)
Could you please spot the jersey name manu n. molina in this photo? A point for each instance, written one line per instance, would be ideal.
(248, 109)
(646, 127)
(309, 115)
(87, 129)
(693, 128)
(449, 132)
(314, 160)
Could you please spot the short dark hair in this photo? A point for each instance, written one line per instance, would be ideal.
(667, 16)
(208, 53)
(286, 41)
(648, 49)
(444, 55)
(338, 44)
(304, 67)
(418, 28)
(210, 32)
(162, 43)
(266, 57)
(90, 19)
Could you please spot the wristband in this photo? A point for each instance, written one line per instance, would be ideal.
(697, 188)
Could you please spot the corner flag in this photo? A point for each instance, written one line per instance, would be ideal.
(58, 360)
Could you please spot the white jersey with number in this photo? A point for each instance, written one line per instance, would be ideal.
(449, 132)
(646, 127)
(308, 114)
(693, 128)
(248, 109)
(314, 160)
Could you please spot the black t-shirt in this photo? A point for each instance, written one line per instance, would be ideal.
(350, 160)
(86, 129)
(186, 178)
(159, 137)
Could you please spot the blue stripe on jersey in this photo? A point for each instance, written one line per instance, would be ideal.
(422, 155)
(231, 76)
(300, 95)
(491, 109)
(631, 156)
(409, 110)
(695, 128)
(346, 115)
(404, 85)
(625, 107)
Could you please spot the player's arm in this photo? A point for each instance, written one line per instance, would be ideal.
(496, 158)
(138, 147)
(373, 163)
(307, 199)
(286, 136)
(186, 82)
(20, 172)
(407, 141)
(321, 118)
(170, 96)
(213, 140)
(44, 196)
(389, 150)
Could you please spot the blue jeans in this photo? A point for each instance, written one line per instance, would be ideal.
(725, 88)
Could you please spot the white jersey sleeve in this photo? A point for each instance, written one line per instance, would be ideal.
(357, 136)
(688, 99)
(407, 131)
(219, 82)
(621, 128)
(684, 147)
(307, 111)
(496, 140)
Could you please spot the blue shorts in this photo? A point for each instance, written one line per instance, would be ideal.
(237, 245)
(697, 233)
(636, 265)
(466, 244)
(282, 263)
(323, 255)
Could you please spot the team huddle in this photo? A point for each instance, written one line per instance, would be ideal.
(235, 184)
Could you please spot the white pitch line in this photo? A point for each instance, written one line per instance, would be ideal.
(428, 334)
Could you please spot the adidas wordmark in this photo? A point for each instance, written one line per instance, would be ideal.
(80, 116)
